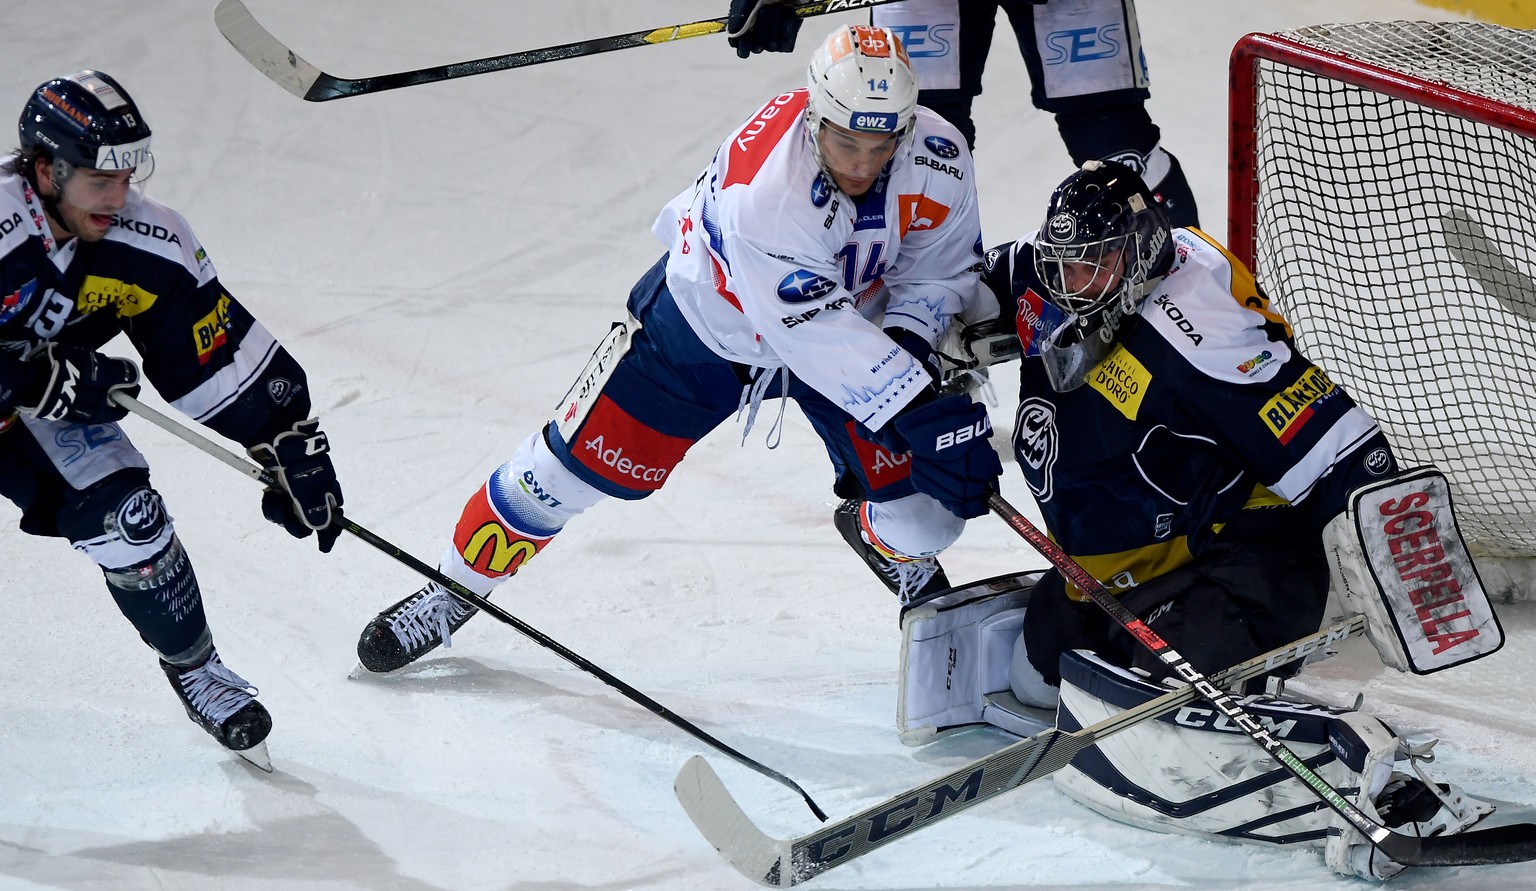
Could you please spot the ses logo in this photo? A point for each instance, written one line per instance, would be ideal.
(873, 122)
(804, 286)
(1082, 45)
(942, 147)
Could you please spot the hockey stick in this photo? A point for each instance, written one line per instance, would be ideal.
(257, 473)
(780, 862)
(1514, 843)
(289, 70)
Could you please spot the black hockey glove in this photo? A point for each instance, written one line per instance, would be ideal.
(306, 497)
(756, 26)
(80, 383)
(951, 458)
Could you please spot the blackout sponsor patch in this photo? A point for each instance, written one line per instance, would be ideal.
(1289, 411)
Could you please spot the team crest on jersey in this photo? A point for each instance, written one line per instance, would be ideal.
(1036, 442)
(821, 191)
(942, 147)
(804, 286)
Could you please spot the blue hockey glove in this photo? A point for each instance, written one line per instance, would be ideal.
(80, 383)
(756, 26)
(951, 458)
(306, 497)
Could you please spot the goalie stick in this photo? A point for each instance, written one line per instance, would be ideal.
(288, 70)
(254, 472)
(1515, 843)
(780, 862)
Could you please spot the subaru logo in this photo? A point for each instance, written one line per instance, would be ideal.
(942, 147)
(821, 192)
(804, 286)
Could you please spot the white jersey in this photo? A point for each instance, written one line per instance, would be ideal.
(772, 266)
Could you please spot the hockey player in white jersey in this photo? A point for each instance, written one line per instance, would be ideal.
(818, 257)
(1185, 452)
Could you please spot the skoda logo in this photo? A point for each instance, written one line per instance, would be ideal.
(1062, 228)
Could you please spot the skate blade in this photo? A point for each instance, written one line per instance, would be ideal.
(257, 757)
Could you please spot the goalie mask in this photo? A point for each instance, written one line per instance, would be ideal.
(860, 80)
(1104, 247)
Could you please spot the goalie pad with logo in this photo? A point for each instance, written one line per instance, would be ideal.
(1396, 556)
(1193, 772)
(955, 651)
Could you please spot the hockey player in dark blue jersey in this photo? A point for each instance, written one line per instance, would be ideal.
(84, 257)
(1185, 452)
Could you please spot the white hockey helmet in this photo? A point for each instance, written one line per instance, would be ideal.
(860, 79)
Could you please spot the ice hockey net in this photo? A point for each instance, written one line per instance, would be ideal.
(1383, 189)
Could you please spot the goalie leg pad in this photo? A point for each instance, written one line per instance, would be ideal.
(1193, 772)
(1396, 556)
(956, 650)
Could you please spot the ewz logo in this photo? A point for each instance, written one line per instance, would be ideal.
(925, 41)
(872, 122)
(1082, 45)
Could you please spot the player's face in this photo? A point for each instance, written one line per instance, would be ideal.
(855, 159)
(90, 198)
(1091, 281)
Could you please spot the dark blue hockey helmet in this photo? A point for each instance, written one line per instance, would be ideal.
(1104, 245)
(1103, 217)
(86, 119)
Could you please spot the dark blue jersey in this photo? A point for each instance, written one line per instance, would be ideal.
(1203, 417)
(150, 279)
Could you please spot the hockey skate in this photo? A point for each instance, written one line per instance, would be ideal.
(910, 580)
(224, 704)
(412, 628)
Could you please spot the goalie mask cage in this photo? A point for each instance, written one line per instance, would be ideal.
(1383, 190)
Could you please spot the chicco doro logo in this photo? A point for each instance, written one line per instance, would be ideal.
(1062, 227)
(942, 147)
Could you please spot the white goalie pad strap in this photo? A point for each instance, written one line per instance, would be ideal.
(1396, 556)
(955, 650)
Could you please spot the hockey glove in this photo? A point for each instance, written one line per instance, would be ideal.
(755, 26)
(306, 497)
(951, 458)
(80, 384)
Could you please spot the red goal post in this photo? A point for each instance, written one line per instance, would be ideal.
(1382, 187)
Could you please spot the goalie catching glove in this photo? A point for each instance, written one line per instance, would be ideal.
(304, 496)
